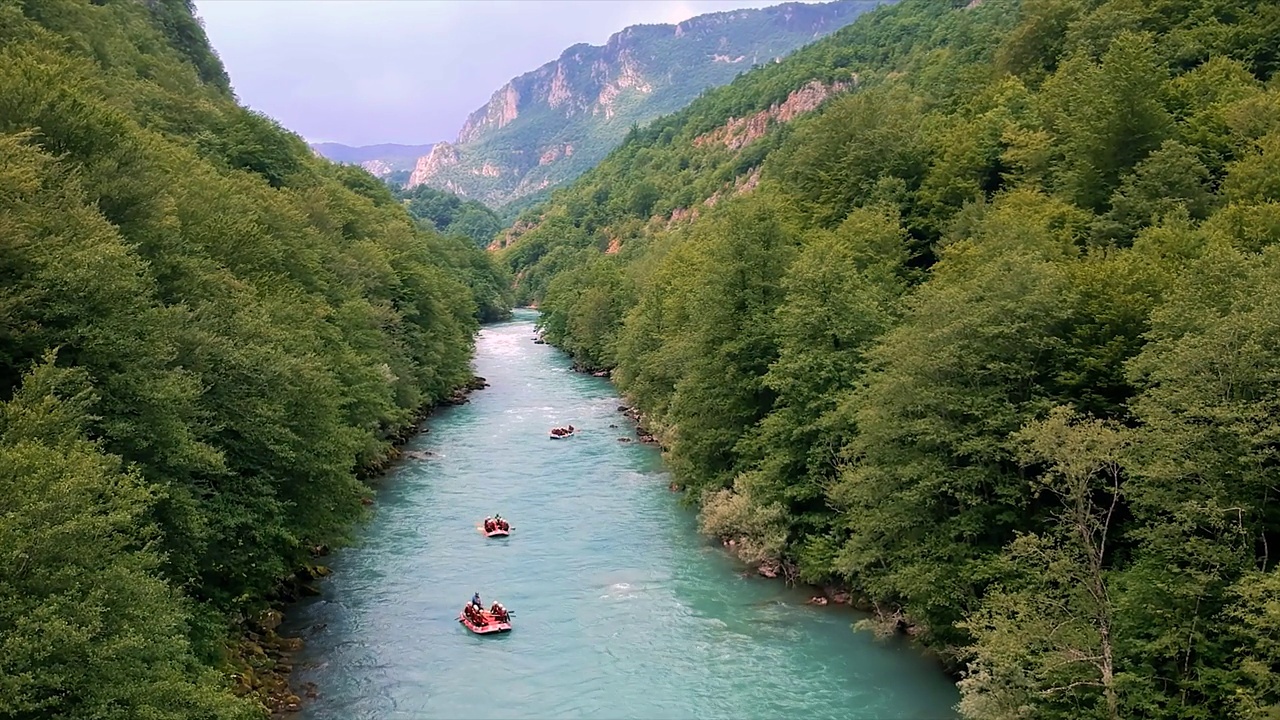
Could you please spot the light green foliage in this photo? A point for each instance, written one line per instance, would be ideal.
(864, 149)
(255, 327)
(1044, 634)
(583, 309)
(842, 292)
(936, 340)
(1105, 117)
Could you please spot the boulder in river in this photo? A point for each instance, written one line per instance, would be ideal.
(458, 397)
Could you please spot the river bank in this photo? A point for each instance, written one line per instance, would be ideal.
(261, 659)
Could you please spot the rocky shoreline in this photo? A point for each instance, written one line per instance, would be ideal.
(262, 660)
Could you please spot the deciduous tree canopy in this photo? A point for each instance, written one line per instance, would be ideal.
(989, 336)
(206, 333)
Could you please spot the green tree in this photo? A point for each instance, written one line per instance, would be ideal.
(933, 490)
(841, 293)
(1107, 117)
(88, 629)
(1044, 638)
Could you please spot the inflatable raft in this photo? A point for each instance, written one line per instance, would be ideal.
(490, 626)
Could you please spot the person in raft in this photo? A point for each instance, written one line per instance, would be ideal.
(473, 615)
(475, 601)
(488, 524)
(499, 613)
(500, 524)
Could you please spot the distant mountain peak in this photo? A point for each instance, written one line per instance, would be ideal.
(382, 160)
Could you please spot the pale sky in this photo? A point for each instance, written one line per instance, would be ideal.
(362, 72)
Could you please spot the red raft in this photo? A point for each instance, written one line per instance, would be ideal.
(502, 529)
(490, 626)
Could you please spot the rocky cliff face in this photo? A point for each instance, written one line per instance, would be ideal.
(442, 155)
(549, 125)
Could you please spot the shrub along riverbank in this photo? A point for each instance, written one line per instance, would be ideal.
(205, 333)
(989, 336)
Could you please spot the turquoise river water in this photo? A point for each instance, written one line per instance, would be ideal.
(621, 609)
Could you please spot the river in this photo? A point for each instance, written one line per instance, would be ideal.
(621, 609)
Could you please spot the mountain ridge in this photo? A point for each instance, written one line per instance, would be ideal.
(547, 126)
(381, 159)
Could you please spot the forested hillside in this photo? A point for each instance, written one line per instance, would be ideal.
(450, 214)
(990, 336)
(206, 333)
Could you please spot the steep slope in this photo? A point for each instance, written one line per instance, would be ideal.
(449, 214)
(206, 334)
(548, 126)
(989, 337)
(380, 160)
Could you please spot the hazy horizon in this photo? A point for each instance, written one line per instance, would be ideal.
(368, 72)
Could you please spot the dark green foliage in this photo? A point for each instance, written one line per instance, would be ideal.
(990, 339)
(451, 215)
(206, 334)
